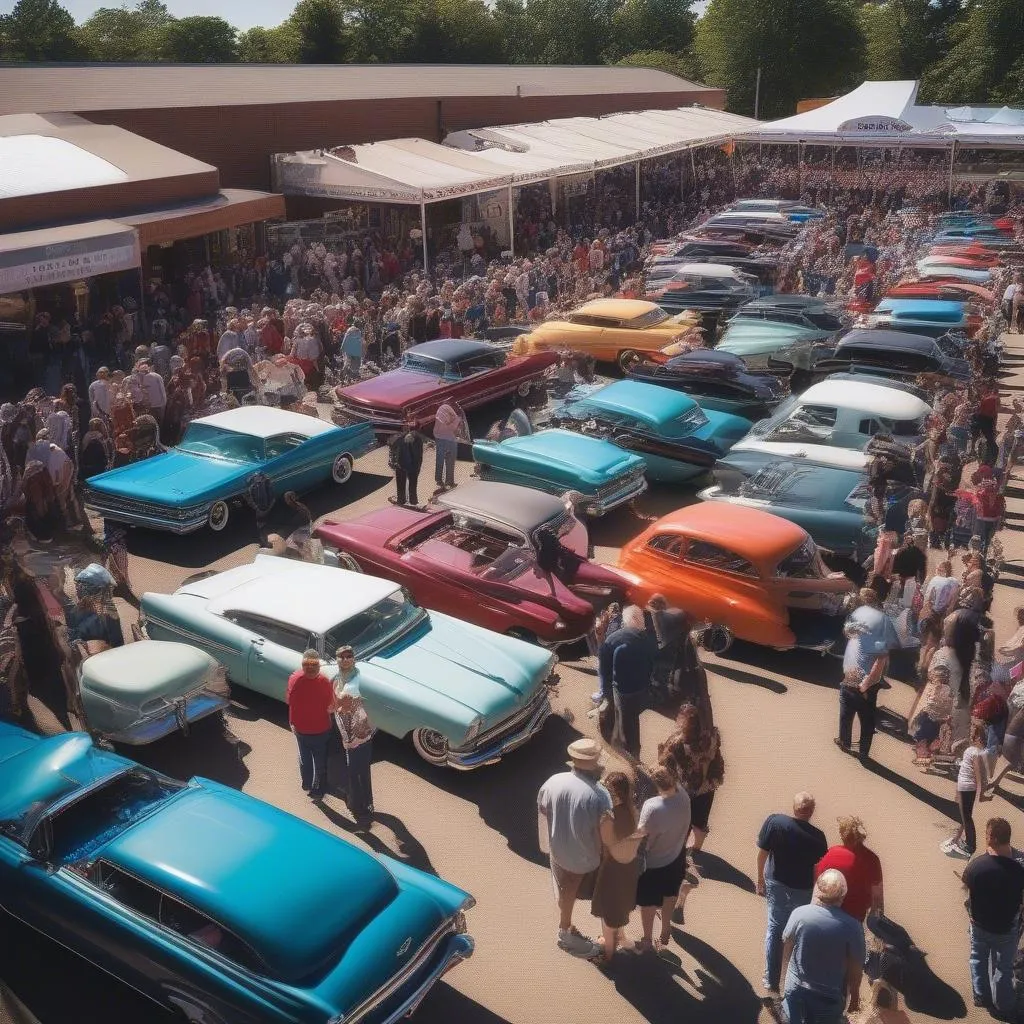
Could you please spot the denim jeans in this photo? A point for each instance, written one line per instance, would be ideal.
(628, 707)
(360, 787)
(862, 705)
(782, 900)
(991, 963)
(803, 1006)
(313, 760)
(444, 465)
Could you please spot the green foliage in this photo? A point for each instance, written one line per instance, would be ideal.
(126, 33)
(40, 30)
(269, 45)
(651, 26)
(199, 39)
(804, 48)
(673, 63)
(320, 33)
(454, 32)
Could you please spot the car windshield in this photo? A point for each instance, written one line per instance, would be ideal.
(651, 318)
(380, 624)
(782, 480)
(693, 419)
(802, 564)
(424, 364)
(217, 443)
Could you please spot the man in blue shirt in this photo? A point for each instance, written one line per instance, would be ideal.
(822, 956)
(352, 349)
(625, 665)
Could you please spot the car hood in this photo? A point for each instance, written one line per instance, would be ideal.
(486, 672)
(394, 388)
(172, 478)
(589, 456)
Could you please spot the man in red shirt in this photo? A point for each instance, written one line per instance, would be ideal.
(859, 866)
(310, 697)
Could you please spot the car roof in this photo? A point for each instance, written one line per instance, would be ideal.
(313, 597)
(265, 421)
(617, 309)
(756, 535)
(708, 269)
(145, 669)
(904, 341)
(227, 856)
(788, 301)
(706, 357)
(521, 507)
(820, 454)
(648, 402)
(451, 350)
(872, 399)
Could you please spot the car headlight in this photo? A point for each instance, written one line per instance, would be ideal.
(474, 729)
(559, 624)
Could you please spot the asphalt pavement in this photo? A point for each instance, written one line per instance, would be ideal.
(777, 714)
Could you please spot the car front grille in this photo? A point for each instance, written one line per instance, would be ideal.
(620, 485)
(514, 722)
(114, 504)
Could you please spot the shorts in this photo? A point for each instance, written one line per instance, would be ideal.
(700, 810)
(656, 885)
(926, 729)
(572, 884)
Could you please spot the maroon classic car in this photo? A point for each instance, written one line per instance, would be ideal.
(471, 373)
(475, 557)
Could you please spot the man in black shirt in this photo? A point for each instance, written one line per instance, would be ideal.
(994, 881)
(788, 847)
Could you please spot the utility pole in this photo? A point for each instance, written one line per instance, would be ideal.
(757, 93)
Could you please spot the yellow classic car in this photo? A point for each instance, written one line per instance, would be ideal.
(622, 331)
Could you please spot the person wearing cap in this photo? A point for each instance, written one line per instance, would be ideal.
(310, 697)
(356, 731)
(823, 953)
(859, 866)
(570, 806)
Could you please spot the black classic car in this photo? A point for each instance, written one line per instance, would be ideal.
(805, 310)
(897, 354)
(717, 380)
(705, 287)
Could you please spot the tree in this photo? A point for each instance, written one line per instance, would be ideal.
(319, 27)
(571, 33)
(903, 37)
(40, 30)
(200, 39)
(269, 45)
(127, 33)
(517, 34)
(664, 26)
(673, 63)
(454, 32)
(382, 31)
(804, 48)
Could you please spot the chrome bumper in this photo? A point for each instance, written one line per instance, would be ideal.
(492, 751)
(192, 518)
(178, 715)
(459, 948)
(599, 505)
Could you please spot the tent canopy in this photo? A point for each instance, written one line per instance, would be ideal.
(481, 160)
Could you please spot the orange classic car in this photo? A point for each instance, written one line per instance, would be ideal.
(610, 330)
(749, 574)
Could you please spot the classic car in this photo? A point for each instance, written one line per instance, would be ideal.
(806, 310)
(144, 691)
(677, 439)
(692, 247)
(703, 287)
(751, 232)
(764, 342)
(974, 252)
(960, 291)
(480, 562)
(179, 890)
(846, 413)
(717, 380)
(469, 372)
(609, 330)
(600, 475)
(894, 353)
(789, 208)
(749, 456)
(827, 501)
(949, 267)
(465, 695)
(659, 270)
(753, 575)
(195, 484)
(922, 316)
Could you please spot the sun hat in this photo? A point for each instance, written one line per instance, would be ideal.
(585, 754)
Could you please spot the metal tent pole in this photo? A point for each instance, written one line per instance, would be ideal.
(952, 161)
(511, 224)
(636, 212)
(423, 230)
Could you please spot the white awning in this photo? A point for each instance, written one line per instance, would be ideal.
(480, 160)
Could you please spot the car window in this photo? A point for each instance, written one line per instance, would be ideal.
(651, 318)
(801, 564)
(480, 364)
(712, 556)
(826, 321)
(127, 890)
(587, 320)
(275, 446)
(905, 428)
(668, 544)
(423, 364)
(291, 637)
(380, 623)
(199, 928)
(204, 439)
(870, 427)
(816, 415)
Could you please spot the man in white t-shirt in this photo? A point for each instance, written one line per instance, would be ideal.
(151, 387)
(569, 806)
(1013, 298)
(99, 394)
(942, 590)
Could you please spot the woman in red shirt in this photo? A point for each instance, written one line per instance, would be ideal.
(310, 698)
(859, 866)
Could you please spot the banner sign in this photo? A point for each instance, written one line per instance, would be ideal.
(38, 266)
(875, 125)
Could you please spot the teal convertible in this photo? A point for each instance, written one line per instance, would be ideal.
(215, 465)
(464, 695)
(220, 908)
(676, 438)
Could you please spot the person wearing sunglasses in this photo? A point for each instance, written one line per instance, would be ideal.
(310, 702)
(356, 732)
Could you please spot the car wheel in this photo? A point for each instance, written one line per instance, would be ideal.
(431, 746)
(716, 639)
(524, 389)
(219, 516)
(341, 469)
(346, 561)
(522, 634)
(627, 360)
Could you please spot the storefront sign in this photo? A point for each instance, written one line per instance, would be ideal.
(875, 125)
(38, 266)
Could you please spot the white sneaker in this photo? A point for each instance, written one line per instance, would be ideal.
(946, 846)
(959, 850)
(577, 945)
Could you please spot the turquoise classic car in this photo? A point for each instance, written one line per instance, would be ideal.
(143, 691)
(676, 438)
(220, 908)
(920, 316)
(600, 475)
(464, 695)
(216, 463)
(761, 341)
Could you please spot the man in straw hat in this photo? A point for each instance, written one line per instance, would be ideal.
(570, 805)
(822, 956)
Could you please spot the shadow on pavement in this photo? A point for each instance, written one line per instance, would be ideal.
(407, 849)
(210, 750)
(699, 987)
(938, 803)
(806, 666)
(716, 869)
(739, 675)
(446, 1004)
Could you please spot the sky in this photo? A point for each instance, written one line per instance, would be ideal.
(242, 14)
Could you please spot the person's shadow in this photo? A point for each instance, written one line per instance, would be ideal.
(408, 849)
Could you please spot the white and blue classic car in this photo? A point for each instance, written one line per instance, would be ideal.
(465, 695)
(194, 485)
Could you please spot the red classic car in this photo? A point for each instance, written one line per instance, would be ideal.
(475, 557)
(471, 373)
(957, 291)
